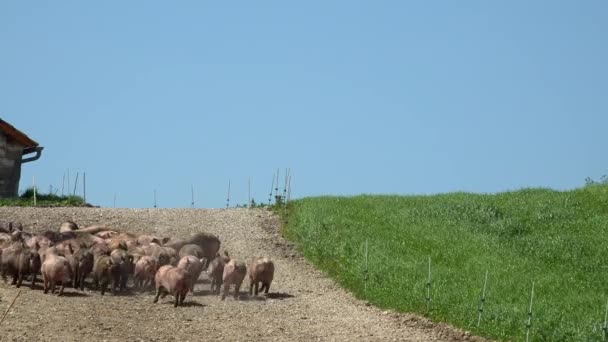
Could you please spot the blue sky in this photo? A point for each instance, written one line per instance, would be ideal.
(355, 97)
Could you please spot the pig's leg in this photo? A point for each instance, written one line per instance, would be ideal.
(158, 289)
(61, 288)
(237, 287)
(226, 289)
(45, 282)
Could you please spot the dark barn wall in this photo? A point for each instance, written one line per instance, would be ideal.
(10, 167)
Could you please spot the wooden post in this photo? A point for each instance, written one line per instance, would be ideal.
(192, 195)
(529, 322)
(84, 187)
(228, 196)
(270, 193)
(34, 188)
(276, 189)
(605, 327)
(366, 274)
(482, 300)
(428, 289)
(75, 184)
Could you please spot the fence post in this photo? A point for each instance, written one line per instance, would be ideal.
(605, 328)
(529, 322)
(270, 193)
(192, 195)
(428, 289)
(482, 300)
(228, 197)
(84, 187)
(34, 188)
(365, 271)
(75, 184)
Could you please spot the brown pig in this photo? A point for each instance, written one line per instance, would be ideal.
(193, 266)
(20, 262)
(124, 268)
(234, 273)
(107, 234)
(191, 249)
(144, 240)
(215, 271)
(55, 268)
(68, 227)
(173, 280)
(102, 272)
(145, 269)
(209, 243)
(261, 270)
(81, 262)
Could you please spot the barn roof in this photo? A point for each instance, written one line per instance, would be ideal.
(16, 135)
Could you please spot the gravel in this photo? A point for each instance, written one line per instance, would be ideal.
(304, 304)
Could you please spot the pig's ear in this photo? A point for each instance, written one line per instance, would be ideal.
(165, 240)
(70, 248)
(155, 240)
(37, 246)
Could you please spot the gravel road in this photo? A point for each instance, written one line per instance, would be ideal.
(304, 305)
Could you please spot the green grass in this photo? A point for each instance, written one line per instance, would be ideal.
(42, 200)
(558, 240)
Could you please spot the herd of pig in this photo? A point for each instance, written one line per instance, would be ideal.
(107, 257)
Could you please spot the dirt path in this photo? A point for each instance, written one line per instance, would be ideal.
(304, 305)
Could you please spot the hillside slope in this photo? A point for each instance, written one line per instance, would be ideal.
(555, 239)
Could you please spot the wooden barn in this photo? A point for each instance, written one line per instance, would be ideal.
(15, 150)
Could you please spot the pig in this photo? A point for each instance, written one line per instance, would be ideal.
(191, 249)
(100, 249)
(261, 270)
(234, 273)
(103, 268)
(124, 268)
(116, 243)
(145, 269)
(20, 262)
(165, 256)
(173, 280)
(68, 227)
(210, 244)
(55, 268)
(81, 262)
(193, 267)
(215, 271)
(136, 253)
(107, 234)
(144, 240)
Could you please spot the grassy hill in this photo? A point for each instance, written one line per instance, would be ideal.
(558, 240)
